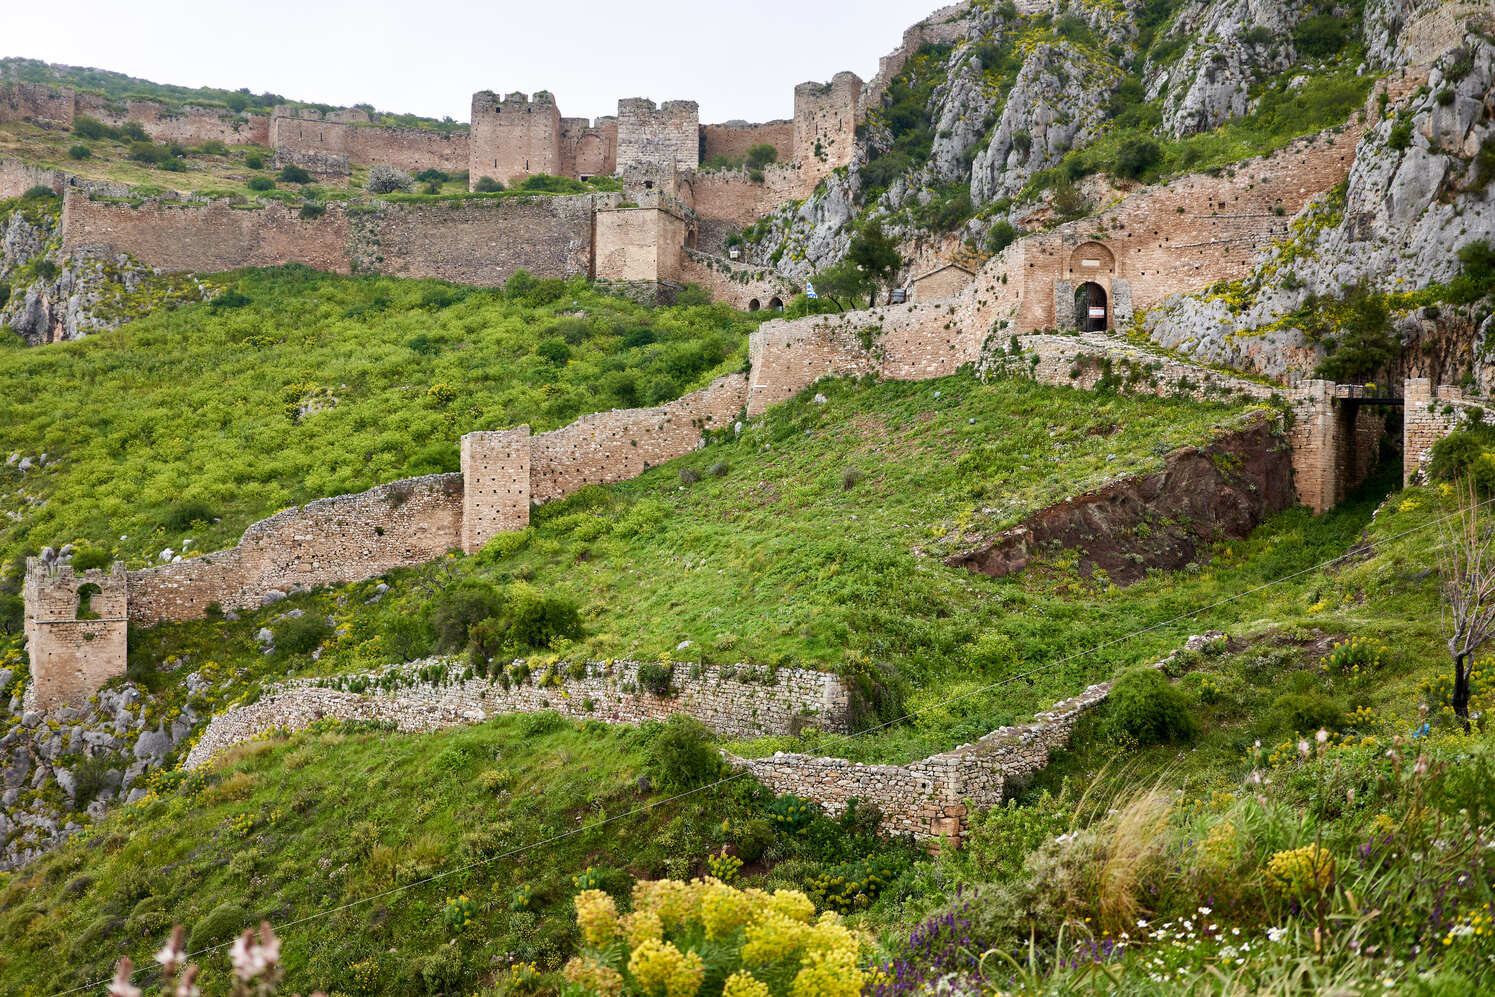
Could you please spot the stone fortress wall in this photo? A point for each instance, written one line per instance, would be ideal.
(59, 107)
(738, 701)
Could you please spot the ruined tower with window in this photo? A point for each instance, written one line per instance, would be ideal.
(75, 630)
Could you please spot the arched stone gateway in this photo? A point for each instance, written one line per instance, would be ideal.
(1091, 260)
(1092, 313)
(776, 304)
(754, 305)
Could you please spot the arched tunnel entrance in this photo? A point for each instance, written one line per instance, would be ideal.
(1091, 311)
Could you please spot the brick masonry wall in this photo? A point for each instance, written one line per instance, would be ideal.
(16, 178)
(476, 241)
(410, 149)
(211, 236)
(825, 120)
(737, 284)
(932, 797)
(188, 125)
(332, 540)
(589, 150)
(513, 137)
(614, 446)
(734, 139)
(651, 137)
(737, 701)
(495, 485)
(1428, 415)
(71, 657)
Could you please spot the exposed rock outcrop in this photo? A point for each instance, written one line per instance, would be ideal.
(1159, 520)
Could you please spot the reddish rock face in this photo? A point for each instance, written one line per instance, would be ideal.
(1202, 495)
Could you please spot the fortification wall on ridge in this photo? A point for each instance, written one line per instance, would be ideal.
(735, 138)
(410, 149)
(341, 539)
(36, 102)
(606, 447)
(513, 137)
(740, 285)
(188, 125)
(211, 236)
(477, 240)
(16, 178)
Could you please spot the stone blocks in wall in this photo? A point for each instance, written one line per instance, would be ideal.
(496, 485)
(513, 137)
(825, 120)
(409, 149)
(1428, 415)
(76, 627)
(666, 136)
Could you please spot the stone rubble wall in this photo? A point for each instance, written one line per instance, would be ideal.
(60, 106)
(409, 149)
(606, 447)
(332, 540)
(736, 701)
(736, 284)
(930, 798)
(1429, 414)
(16, 178)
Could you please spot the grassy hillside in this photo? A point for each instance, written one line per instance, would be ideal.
(294, 385)
(270, 835)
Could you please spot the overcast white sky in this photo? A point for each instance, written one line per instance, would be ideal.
(739, 60)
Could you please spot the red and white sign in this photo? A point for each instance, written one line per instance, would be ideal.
(1097, 311)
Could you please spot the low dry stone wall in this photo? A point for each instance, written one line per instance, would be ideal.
(734, 701)
(931, 798)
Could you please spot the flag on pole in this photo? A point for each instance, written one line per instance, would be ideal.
(810, 291)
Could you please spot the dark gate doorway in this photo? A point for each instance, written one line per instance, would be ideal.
(1090, 307)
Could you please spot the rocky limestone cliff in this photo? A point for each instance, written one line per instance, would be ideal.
(1421, 188)
(51, 296)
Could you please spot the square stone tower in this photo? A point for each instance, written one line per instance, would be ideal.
(495, 485)
(825, 121)
(513, 137)
(652, 138)
(76, 629)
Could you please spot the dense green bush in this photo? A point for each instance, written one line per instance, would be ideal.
(487, 185)
(753, 839)
(1306, 711)
(1461, 453)
(554, 350)
(681, 755)
(291, 173)
(79, 152)
(260, 183)
(656, 677)
(1001, 235)
(1145, 707)
(254, 161)
(455, 611)
(761, 155)
(1136, 156)
(1321, 36)
(91, 557)
(217, 926)
(301, 634)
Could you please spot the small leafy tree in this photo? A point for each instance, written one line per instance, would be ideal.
(291, 173)
(1466, 568)
(388, 180)
(487, 185)
(876, 254)
(761, 155)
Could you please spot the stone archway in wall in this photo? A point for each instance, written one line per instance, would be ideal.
(1092, 310)
(1091, 261)
(754, 305)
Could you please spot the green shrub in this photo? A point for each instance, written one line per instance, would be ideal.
(1145, 707)
(681, 755)
(254, 161)
(147, 152)
(12, 616)
(554, 350)
(301, 634)
(1305, 712)
(1400, 136)
(212, 147)
(1001, 236)
(1136, 156)
(219, 925)
(432, 176)
(761, 155)
(754, 839)
(190, 515)
(1321, 36)
(487, 185)
(91, 557)
(656, 677)
(291, 173)
(311, 212)
(92, 128)
(79, 152)
(791, 815)
(457, 609)
(1461, 453)
(260, 183)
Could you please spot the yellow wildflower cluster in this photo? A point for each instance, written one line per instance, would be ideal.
(775, 932)
(1475, 925)
(597, 916)
(660, 968)
(1301, 872)
(1355, 656)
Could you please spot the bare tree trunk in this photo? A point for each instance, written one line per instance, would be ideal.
(1461, 689)
(1466, 562)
